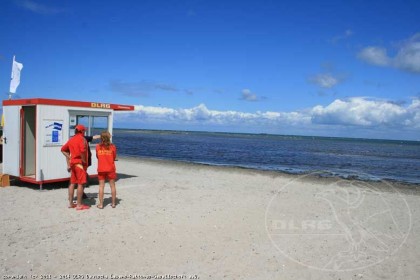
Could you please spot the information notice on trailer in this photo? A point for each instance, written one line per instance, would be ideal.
(53, 132)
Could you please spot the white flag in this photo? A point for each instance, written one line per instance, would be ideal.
(16, 68)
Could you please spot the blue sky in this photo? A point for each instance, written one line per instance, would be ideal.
(330, 68)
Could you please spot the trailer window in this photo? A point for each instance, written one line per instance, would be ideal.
(99, 124)
(94, 124)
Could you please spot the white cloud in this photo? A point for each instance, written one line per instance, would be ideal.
(139, 89)
(414, 110)
(354, 112)
(37, 7)
(407, 57)
(248, 95)
(347, 34)
(325, 80)
(361, 112)
(375, 56)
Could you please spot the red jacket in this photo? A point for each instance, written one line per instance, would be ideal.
(106, 157)
(76, 146)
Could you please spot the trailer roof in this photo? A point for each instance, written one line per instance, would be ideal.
(69, 103)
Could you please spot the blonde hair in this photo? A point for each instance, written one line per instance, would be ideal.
(106, 139)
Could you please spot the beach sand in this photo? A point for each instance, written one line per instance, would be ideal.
(186, 220)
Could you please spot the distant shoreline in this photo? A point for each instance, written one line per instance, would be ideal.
(415, 142)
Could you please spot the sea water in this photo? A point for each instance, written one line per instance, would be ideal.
(364, 159)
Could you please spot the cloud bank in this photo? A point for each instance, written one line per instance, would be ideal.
(407, 57)
(201, 114)
(353, 113)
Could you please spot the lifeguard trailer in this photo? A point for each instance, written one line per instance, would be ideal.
(35, 129)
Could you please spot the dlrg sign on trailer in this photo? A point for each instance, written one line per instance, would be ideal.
(35, 129)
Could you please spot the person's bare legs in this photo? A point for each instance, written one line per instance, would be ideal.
(71, 195)
(101, 194)
(113, 192)
(79, 195)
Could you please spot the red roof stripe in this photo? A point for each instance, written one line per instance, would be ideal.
(68, 103)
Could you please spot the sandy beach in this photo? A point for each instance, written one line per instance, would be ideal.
(187, 221)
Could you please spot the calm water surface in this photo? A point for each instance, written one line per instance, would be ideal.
(359, 158)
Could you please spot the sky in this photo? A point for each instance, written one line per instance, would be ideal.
(320, 68)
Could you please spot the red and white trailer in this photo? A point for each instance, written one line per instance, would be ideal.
(35, 129)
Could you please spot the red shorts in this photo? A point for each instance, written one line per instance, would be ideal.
(78, 175)
(107, 175)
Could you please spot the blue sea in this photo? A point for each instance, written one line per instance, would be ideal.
(364, 159)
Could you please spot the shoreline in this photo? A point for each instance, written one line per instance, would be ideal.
(315, 175)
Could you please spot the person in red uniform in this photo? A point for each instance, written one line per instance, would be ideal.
(106, 153)
(75, 151)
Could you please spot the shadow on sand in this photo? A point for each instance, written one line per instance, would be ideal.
(93, 181)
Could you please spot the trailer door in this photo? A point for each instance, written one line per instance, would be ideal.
(11, 140)
(28, 139)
